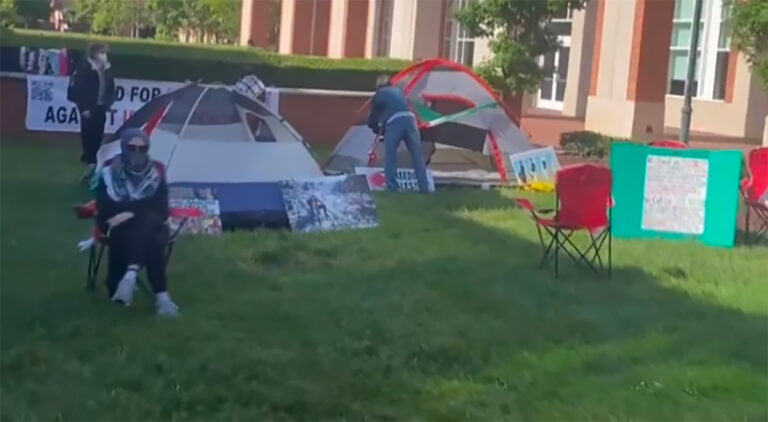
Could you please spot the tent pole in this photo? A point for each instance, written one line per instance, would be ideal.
(191, 112)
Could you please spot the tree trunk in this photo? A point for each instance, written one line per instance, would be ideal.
(514, 106)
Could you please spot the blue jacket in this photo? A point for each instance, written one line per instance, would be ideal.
(387, 101)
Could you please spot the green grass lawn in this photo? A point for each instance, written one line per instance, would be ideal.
(439, 313)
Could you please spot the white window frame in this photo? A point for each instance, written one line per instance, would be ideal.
(457, 37)
(568, 17)
(565, 41)
(708, 49)
(553, 103)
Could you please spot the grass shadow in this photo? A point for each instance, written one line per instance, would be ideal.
(440, 313)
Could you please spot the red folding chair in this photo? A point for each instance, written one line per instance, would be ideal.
(100, 239)
(583, 204)
(669, 144)
(754, 190)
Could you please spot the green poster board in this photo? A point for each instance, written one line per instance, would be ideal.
(675, 194)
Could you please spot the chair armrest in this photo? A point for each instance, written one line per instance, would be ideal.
(525, 204)
(528, 206)
(85, 211)
(185, 212)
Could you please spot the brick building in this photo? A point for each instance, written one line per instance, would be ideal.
(621, 67)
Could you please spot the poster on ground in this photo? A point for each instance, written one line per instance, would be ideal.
(48, 109)
(329, 203)
(537, 165)
(406, 179)
(675, 194)
(204, 200)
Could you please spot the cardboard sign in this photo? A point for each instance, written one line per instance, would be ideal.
(406, 179)
(329, 203)
(675, 194)
(537, 165)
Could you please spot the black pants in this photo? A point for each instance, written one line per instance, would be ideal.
(91, 133)
(139, 241)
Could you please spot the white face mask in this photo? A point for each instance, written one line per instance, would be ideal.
(102, 57)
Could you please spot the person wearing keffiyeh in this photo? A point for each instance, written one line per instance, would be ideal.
(132, 203)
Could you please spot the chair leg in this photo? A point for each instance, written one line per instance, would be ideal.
(581, 256)
(94, 263)
(557, 250)
(547, 249)
(746, 225)
(597, 243)
(98, 260)
(168, 252)
(610, 253)
(90, 283)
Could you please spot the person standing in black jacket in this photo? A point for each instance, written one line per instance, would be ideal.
(92, 89)
(132, 204)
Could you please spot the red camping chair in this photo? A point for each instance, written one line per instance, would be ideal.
(583, 204)
(669, 144)
(100, 240)
(754, 190)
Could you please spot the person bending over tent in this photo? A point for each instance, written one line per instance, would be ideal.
(132, 199)
(390, 115)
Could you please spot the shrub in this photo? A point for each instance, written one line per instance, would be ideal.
(588, 144)
(172, 61)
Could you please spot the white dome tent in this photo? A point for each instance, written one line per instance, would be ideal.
(214, 136)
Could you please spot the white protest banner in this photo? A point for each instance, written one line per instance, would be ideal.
(48, 109)
(406, 179)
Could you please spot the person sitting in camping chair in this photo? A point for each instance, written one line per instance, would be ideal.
(132, 203)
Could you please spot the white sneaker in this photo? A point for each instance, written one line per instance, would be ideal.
(164, 306)
(125, 288)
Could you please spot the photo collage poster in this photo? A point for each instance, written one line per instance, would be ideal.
(202, 199)
(329, 203)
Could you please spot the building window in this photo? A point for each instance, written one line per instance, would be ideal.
(458, 43)
(554, 65)
(385, 28)
(561, 23)
(713, 53)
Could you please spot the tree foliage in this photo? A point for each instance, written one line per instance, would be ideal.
(111, 17)
(750, 33)
(518, 35)
(205, 19)
(28, 13)
(9, 17)
(167, 16)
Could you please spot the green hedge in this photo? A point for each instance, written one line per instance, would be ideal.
(586, 143)
(169, 61)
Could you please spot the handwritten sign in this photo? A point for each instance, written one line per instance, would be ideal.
(675, 194)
